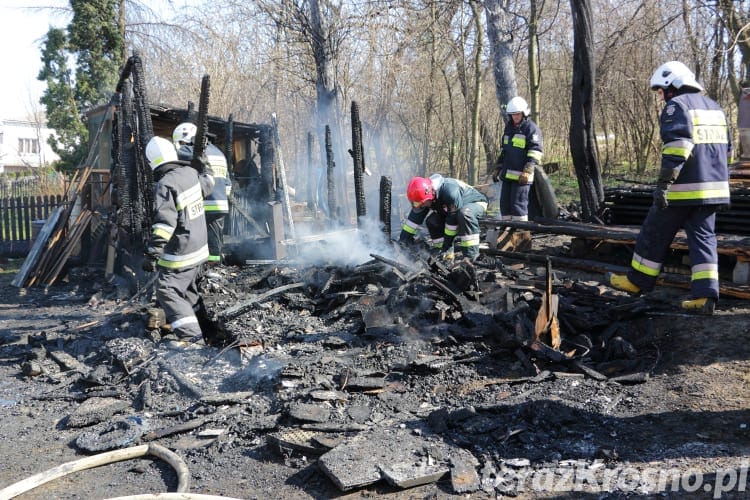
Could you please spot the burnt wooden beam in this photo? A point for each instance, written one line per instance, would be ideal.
(670, 279)
(242, 307)
(727, 244)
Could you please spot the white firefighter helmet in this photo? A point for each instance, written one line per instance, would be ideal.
(673, 73)
(184, 133)
(159, 151)
(517, 105)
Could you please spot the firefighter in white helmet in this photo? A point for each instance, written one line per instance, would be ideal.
(217, 202)
(177, 245)
(520, 153)
(693, 184)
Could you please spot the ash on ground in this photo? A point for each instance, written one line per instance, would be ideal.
(401, 375)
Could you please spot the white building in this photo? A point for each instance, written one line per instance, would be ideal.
(23, 146)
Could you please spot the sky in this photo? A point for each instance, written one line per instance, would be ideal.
(23, 25)
(21, 32)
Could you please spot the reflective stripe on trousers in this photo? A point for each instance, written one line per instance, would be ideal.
(177, 293)
(655, 238)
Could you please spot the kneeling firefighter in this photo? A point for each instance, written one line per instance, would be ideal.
(450, 209)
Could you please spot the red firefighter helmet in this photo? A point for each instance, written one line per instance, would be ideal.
(420, 191)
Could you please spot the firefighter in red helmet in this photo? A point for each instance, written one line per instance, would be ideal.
(450, 209)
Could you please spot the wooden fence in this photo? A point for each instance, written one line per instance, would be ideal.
(16, 217)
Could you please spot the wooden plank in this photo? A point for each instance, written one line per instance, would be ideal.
(17, 217)
(26, 219)
(669, 279)
(36, 250)
(57, 233)
(61, 231)
(3, 221)
(80, 226)
(726, 244)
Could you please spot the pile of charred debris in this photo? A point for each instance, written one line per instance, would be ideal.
(402, 368)
(396, 367)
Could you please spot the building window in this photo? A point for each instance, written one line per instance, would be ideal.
(28, 146)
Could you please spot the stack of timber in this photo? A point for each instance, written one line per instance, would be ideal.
(727, 244)
(733, 246)
(57, 240)
(630, 206)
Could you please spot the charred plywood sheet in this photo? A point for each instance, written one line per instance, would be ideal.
(369, 457)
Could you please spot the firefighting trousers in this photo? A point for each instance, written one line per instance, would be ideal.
(657, 233)
(514, 200)
(177, 293)
(466, 230)
(215, 226)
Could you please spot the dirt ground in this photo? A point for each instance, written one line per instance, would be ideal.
(676, 426)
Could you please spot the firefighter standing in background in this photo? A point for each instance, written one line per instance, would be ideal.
(177, 245)
(216, 203)
(521, 151)
(693, 185)
(449, 208)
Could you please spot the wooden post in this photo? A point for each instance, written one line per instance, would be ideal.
(276, 225)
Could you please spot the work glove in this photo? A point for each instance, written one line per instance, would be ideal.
(149, 264)
(201, 165)
(149, 259)
(496, 173)
(660, 198)
(667, 176)
(528, 171)
(448, 256)
(406, 239)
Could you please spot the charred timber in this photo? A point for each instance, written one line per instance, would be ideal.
(727, 244)
(676, 280)
(201, 134)
(359, 163)
(330, 165)
(385, 204)
(630, 206)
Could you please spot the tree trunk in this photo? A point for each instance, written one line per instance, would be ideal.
(474, 139)
(501, 38)
(581, 134)
(327, 92)
(533, 61)
(736, 24)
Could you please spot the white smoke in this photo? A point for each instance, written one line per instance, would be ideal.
(344, 247)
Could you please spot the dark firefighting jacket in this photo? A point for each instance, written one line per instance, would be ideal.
(217, 201)
(694, 131)
(178, 231)
(451, 195)
(521, 144)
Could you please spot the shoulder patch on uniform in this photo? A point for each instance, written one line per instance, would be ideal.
(670, 109)
(535, 137)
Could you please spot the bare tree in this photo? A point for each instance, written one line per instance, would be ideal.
(474, 140)
(500, 42)
(500, 37)
(582, 139)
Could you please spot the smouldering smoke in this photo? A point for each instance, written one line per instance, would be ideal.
(346, 247)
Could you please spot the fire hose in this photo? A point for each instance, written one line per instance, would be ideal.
(174, 460)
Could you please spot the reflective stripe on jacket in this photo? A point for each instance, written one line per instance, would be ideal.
(520, 145)
(218, 200)
(178, 230)
(451, 195)
(696, 140)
